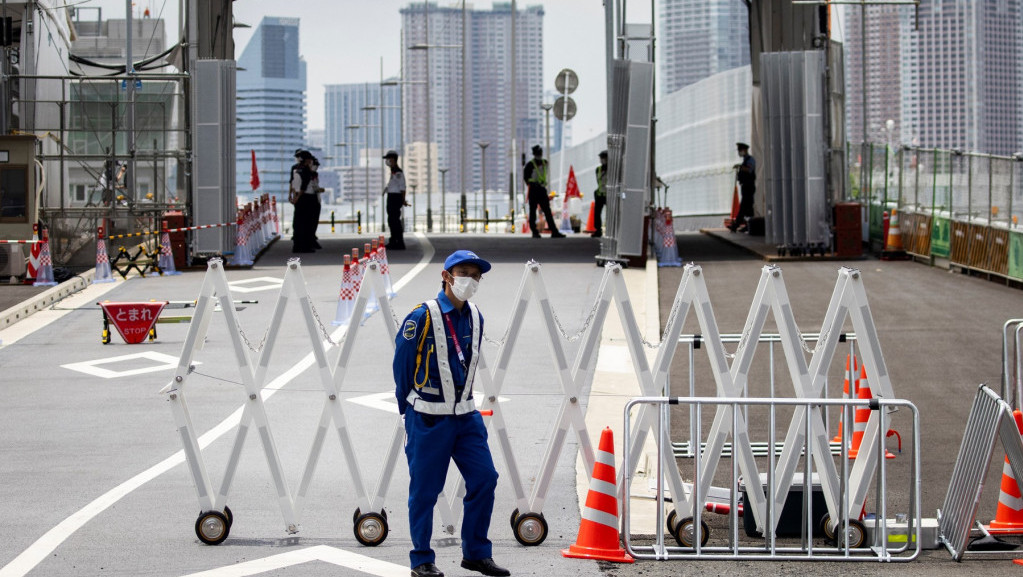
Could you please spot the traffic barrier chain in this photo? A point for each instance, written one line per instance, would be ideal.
(528, 522)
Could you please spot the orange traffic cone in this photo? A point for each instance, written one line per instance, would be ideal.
(103, 273)
(735, 203)
(346, 298)
(598, 530)
(34, 252)
(590, 226)
(893, 249)
(44, 277)
(850, 375)
(861, 416)
(166, 260)
(1009, 515)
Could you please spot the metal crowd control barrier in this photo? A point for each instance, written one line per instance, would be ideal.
(685, 449)
(1007, 355)
(990, 417)
(848, 533)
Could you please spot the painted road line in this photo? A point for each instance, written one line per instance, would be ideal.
(323, 553)
(266, 283)
(45, 545)
(163, 362)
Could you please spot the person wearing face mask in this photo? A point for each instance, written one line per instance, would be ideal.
(746, 174)
(435, 359)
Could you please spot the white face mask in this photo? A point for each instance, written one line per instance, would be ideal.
(464, 287)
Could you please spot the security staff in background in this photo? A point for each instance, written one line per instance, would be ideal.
(535, 174)
(600, 196)
(395, 192)
(746, 174)
(307, 206)
(435, 358)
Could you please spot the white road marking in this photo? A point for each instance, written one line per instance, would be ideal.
(269, 283)
(45, 545)
(163, 362)
(323, 553)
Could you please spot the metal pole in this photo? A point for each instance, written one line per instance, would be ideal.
(429, 132)
(462, 169)
(513, 181)
(129, 177)
(365, 92)
(547, 132)
(863, 81)
(483, 157)
(443, 195)
(383, 172)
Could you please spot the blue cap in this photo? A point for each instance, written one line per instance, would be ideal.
(466, 257)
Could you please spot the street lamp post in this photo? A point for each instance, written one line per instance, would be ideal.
(483, 158)
(443, 195)
(413, 185)
(547, 134)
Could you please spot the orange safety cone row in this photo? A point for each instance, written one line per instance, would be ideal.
(861, 415)
(44, 276)
(346, 298)
(1009, 515)
(598, 529)
(590, 225)
(850, 377)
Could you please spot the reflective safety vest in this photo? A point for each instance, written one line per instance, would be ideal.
(601, 181)
(539, 174)
(429, 399)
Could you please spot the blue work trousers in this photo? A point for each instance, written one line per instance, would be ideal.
(433, 442)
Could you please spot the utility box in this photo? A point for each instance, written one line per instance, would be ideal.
(18, 207)
(848, 233)
(790, 524)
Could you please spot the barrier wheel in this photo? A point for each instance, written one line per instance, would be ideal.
(230, 517)
(857, 535)
(370, 529)
(212, 527)
(684, 532)
(531, 529)
(514, 517)
(356, 514)
(106, 337)
(827, 527)
(670, 521)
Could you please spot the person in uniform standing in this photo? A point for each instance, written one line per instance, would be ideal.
(395, 192)
(435, 358)
(746, 174)
(303, 197)
(535, 174)
(600, 196)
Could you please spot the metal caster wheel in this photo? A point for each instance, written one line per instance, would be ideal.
(371, 529)
(670, 521)
(531, 529)
(827, 527)
(212, 527)
(857, 535)
(684, 532)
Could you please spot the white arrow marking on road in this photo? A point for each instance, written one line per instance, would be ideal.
(324, 553)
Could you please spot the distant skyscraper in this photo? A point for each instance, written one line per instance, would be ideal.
(271, 105)
(959, 76)
(699, 38)
(344, 106)
(488, 72)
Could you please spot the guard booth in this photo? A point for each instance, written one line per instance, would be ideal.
(18, 200)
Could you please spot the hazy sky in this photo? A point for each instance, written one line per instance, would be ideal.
(342, 41)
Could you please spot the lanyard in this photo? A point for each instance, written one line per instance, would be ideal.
(454, 337)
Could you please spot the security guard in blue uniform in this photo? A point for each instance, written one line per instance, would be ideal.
(435, 361)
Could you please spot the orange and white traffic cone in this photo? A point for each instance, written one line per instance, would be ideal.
(103, 273)
(346, 298)
(166, 261)
(241, 257)
(1009, 515)
(44, 277)
(385, 269)
(893, 249)
(850, 377)
(598, 530)
(861, 416)
(369, 256)
(34, 251)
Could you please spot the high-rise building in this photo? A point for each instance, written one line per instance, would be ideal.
(488, 72)
(956, 81)
(358, 106)
(699, 38)
(271, 105)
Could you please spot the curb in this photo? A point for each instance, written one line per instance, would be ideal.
(27, 308)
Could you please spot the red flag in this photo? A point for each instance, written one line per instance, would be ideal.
(572, 188)
(255, 173)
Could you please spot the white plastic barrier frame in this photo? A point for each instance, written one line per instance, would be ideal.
(215, 519)
(851, 543)
(848, 300)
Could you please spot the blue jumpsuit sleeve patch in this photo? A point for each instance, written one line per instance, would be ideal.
(409, 330)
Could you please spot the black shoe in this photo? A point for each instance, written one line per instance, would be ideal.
(486, 567)
(557, 234)
(317, 245)
(302, 251)
(427, 570)
(536, 235)
(596, 235)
